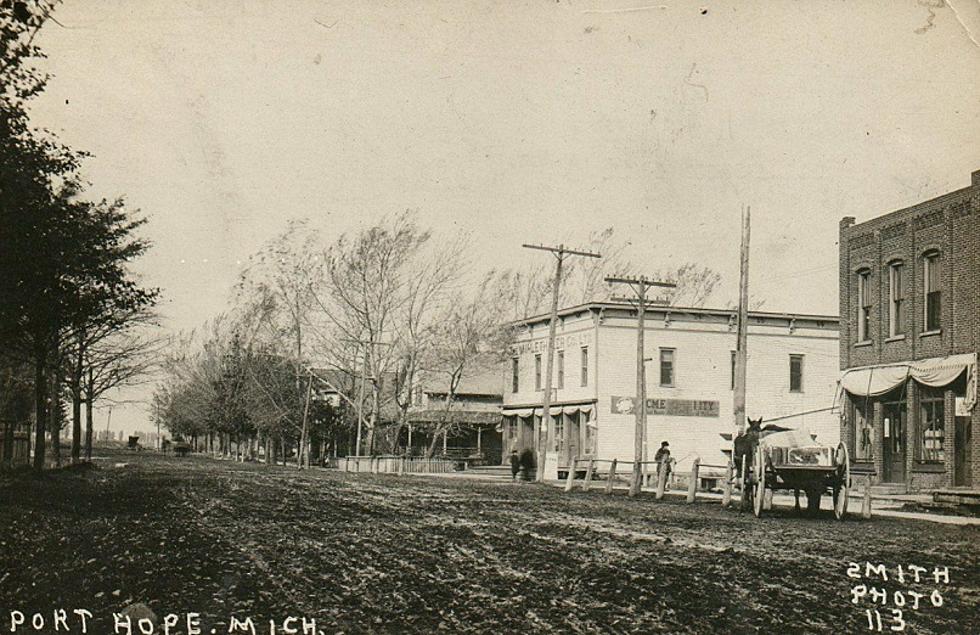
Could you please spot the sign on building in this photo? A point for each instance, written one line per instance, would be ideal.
(667, 407)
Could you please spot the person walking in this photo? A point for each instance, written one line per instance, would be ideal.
(515, 464)
(527, 463)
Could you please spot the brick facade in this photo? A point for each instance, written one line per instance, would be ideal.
(702, 341)
(949, 227)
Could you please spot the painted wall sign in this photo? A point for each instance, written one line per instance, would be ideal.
(667, 407)
(583, 338)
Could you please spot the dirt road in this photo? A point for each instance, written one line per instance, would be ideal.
(362, 553)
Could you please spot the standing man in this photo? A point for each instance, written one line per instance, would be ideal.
(663, 458)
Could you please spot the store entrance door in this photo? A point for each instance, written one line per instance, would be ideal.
(894, 419)
(964, 455)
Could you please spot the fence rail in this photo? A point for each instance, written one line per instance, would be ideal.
(589, 464)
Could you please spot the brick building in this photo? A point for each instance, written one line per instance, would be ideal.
(910, 329)
(792, 369)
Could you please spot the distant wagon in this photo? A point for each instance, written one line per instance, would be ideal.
(792, 460)
(181, 448)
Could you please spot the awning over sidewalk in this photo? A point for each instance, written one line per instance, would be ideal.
(569, 409)
(871, 381)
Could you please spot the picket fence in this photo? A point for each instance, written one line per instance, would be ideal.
(393, 464)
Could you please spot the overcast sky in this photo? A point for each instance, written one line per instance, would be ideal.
(522, 121)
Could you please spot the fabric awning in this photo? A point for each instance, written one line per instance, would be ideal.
(871, 381)
(573, 410)
(519, 412)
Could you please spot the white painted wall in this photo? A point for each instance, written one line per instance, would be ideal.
(702, 372)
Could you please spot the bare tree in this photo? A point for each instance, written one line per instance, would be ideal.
(430, 293)
(695, 284)
(465, 342)
(276, 297)
(123, 358)
(369, 283)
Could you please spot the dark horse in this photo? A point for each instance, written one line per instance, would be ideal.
(748, 441)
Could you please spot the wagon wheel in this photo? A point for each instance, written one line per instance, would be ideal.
(842, 489)
(759, 470)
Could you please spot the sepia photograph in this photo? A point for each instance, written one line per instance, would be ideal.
(489, 316)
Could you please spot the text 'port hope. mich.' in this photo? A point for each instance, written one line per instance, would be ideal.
(82, 621)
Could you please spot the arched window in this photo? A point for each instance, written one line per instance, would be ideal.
(864, 305)
(932, 290)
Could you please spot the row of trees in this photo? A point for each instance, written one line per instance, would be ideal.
(73, 317)
(365, 317)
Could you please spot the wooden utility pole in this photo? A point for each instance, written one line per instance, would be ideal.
(742, 328)
(640, 286)
(540, 443)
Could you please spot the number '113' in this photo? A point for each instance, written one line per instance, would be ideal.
(875, 623)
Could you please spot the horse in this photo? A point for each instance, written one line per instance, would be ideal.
(745, 446)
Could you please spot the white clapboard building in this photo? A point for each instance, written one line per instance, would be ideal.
(792, 376)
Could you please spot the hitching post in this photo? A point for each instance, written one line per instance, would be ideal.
(662, 480)
(611, 478)
(692, 487)
(588, 476)
(726, 496)
(571, 474)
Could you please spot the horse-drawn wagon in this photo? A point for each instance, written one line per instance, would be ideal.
(784, 459)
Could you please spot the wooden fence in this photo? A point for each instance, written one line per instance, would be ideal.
(609, 470)
(730, 480)
(393, 464)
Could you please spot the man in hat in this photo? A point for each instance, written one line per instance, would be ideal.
(663, 458)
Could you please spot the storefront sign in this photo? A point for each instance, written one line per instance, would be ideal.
(961, 410)
(667, 407)
(582, 338)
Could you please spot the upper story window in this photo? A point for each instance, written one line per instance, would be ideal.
(561, 369)
(585, 365)
(864, 306)
(515, 377)
(666, 367)
(732, 381)
(537, 371)
(932, 291)
(896, 299)
(796, 373)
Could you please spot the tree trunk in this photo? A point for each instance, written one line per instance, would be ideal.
(40, 404)
(8, 444)
(54, 421)
(76, 405)
(89, 425)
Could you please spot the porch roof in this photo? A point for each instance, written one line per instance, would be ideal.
(468, 417)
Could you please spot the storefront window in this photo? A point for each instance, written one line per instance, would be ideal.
(559, 423)
(932, 429)
(589, 432)
(863, 431)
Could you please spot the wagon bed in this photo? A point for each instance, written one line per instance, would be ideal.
(791, 460)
